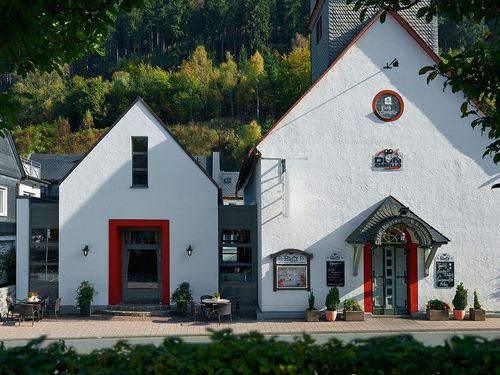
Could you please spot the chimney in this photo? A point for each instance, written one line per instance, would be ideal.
(215, 165)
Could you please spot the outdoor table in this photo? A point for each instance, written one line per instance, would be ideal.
(212, 302)
(38, 307)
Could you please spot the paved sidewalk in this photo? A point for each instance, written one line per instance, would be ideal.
(99, 327)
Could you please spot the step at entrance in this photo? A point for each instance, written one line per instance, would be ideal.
(135, 310)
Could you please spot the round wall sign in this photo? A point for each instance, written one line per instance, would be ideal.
(388, 105)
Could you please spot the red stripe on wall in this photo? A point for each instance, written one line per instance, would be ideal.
(413, 276)
(115, 256)
(367, 262)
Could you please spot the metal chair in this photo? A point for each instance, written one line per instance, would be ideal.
(45, 304)
(224, 309)
(196, 308)
(26, 311)
(206, 309)
(54, 306)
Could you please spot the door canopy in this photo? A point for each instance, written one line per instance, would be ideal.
(393, 214)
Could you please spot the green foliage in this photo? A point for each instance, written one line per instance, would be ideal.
(332, 299)
(469, 71)
(477, 305)
(311, 299)
(460, 299)
(351, 305)
(181, 297)
(85, 294)
(437, 304)
(252, 353)
(8, 265)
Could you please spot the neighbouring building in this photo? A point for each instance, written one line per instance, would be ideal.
(372, 182)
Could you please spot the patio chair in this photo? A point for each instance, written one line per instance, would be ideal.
(196, 309)
(224, 310)
(26, 311)
(11, 307)
(45, 304)
(54, 306)
(206, 309)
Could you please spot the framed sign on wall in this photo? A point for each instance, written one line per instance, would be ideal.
(445, 271)
(291, 270)
(388, 105)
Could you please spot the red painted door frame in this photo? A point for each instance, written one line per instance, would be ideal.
(115, 256)
(412, 257)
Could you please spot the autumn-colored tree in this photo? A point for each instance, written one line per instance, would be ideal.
(229, 77)
(250, 135)
(88, 120)
(198, 140)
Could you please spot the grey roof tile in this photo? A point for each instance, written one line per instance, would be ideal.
(55, 166)
(8, 164)
(227, 182)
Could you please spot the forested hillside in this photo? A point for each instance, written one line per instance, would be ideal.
(218, 72)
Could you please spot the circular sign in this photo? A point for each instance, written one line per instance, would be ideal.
(388, 105)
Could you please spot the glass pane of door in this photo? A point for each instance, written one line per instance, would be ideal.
(401, 295)
(378, 280)
(142, 274)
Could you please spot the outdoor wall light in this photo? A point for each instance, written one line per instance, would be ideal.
(189, 250)
(85, 251)
(393, 64)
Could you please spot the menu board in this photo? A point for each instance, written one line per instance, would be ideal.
(291, 277)
(445, 274)
(335, 273)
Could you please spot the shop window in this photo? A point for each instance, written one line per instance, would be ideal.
(291, 270)
(44, 261)
(235, 256)
(3, 201)
(139, 161)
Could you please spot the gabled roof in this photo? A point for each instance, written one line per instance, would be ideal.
(227, 183)
(388, 212)
(56, 166)
(148, 108)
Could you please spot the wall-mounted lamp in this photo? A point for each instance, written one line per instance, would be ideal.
(393, 64)
(85, 250)
(189, 250)
(404, 210)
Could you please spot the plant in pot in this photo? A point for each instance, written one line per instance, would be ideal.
(460, 302)
(312, 314)
(182, 296)
(352, 311)
(477, 313)
(437, 309)
(332, 304)
(84, 296)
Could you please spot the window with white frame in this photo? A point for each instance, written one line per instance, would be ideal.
(3, 201)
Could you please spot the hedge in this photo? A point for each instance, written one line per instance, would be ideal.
(254, 354)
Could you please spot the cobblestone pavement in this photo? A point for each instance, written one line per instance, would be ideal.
(116, 327)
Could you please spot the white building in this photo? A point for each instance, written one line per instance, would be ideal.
(372, 181)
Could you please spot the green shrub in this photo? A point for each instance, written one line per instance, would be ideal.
(477, 305)
(84, 295)
(332, 299)
(460, 299)
(311, 299)
(181, 297)
(437, 304)
(351, 305)
(252, 353)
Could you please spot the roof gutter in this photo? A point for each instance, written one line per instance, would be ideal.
(314, 14)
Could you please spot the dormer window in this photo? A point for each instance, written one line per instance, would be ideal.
(227, 180)
(319, 29)
(139, 161)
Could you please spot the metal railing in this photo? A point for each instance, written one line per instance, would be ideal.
(32, 168)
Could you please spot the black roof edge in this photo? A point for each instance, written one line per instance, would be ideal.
(247, 168)
(139, 99)
(16, 154)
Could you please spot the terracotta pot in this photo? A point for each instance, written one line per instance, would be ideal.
(331, 315)
(458, 314)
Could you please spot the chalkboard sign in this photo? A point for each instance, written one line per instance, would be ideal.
(445, 274)
(335, 273)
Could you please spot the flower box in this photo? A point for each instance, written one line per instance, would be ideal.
(312, 315)
(354, 316)
(477, 314)
(437, 314)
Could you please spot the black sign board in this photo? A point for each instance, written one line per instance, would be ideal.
(335, 273)
(445, 274)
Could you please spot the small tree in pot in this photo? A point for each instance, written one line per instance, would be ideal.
(84, 296)
(477, 313)
(460, 302)
(182, 296)
(332, 304)
(312, 314)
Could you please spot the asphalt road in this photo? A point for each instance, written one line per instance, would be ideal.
(427, 338)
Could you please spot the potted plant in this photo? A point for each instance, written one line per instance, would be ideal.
(217, 296)
(181, 297)
(332, 304)
(460, 302)
(477, 313)
(437, 310)
(352, 311)
(312, 314)
(84, 296)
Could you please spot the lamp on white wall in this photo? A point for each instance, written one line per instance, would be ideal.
(189, 250)
(85, 251)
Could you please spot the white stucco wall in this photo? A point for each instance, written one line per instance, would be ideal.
(98, 189)
(27, 190)
(329, 140)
